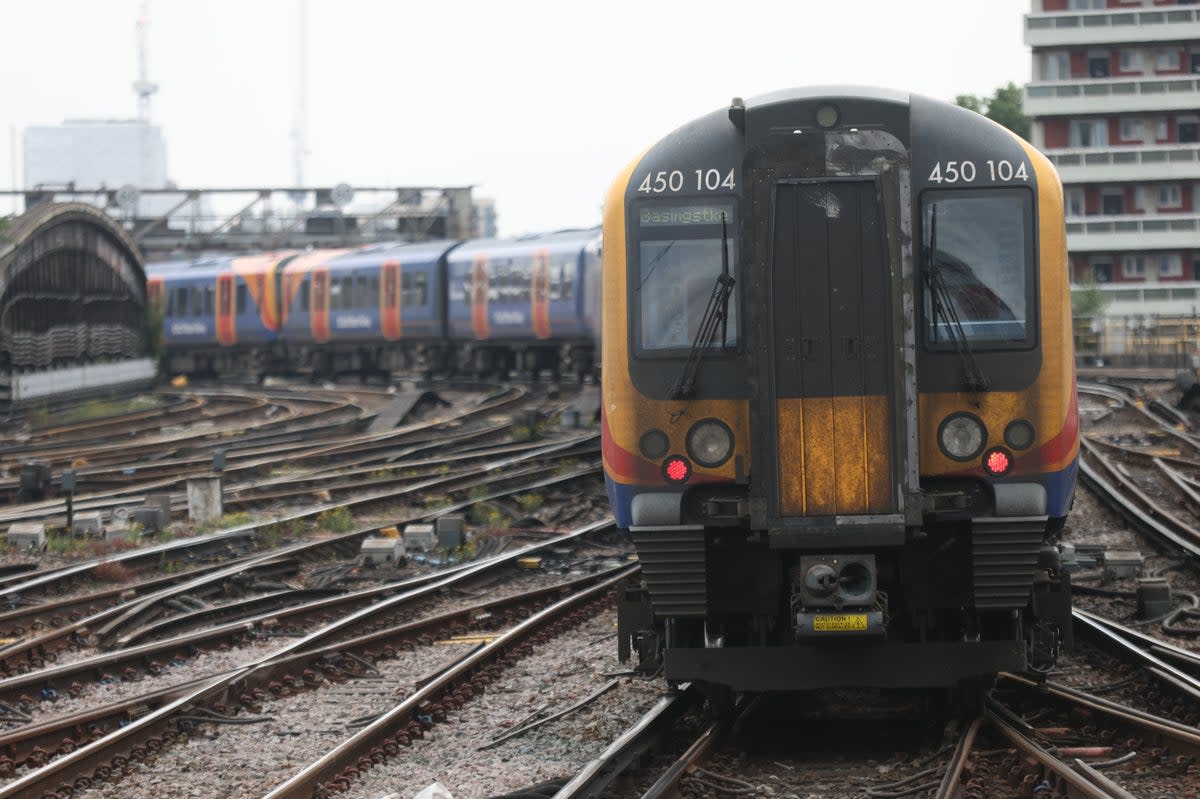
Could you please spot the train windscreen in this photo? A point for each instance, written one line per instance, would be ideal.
(679, 261)
(978, 269)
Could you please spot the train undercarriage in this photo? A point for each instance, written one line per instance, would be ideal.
(756, 611)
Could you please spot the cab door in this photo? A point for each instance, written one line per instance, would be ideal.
(831, 400)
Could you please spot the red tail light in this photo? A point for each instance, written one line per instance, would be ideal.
(997, 462)
(677, 469)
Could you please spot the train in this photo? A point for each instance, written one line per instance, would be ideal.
(839, 416)
(483, 307)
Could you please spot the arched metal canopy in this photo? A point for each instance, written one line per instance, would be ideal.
(72, 289)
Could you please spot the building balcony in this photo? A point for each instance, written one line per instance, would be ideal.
(1132, 233)
(1112, 27)
(1115, 164)
(1112, 95)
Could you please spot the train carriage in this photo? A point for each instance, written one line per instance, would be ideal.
(375, 309)
(526, 304)
(838, 394)
(220, 315)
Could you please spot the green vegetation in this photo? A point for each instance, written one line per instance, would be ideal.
(235, 519)
(336, 520)
(65, 544)
(1005, 106)
(530, 503)
(486, 514)
(93, 409)
(1088, 301)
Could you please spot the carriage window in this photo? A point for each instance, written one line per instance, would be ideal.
(978, 284)
(361, 295)
(373, 297)
(304, 295)
(208, 300)
(420, 289)
(241, 298)
(568, 280)
(679, 261)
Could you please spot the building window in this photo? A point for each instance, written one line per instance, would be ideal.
(1133, 266)
(1089, 133)
(1112, 203)
(1086, 5)
(1189, 130)
(1098, 64)
(1056, 66)
(1131, 60)
(1170, 265)
(1075, 205)
(1131, 129)
(1166, 60)
(1169, 196)
(1102, 271)
(1160, 129)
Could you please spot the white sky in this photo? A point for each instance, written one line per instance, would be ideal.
(538, 104)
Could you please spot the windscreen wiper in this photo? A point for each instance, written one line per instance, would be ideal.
(942, 307)
(716, 316)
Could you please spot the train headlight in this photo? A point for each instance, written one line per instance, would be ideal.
(710, 442)
(962, 436)
(653, 444)
(1019, 434)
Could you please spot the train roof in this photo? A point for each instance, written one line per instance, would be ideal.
(559, 240)
(831, 92)
(404, 252)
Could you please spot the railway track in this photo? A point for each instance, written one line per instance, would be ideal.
(310, 656)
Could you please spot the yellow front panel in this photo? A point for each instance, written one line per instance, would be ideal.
(834, 456)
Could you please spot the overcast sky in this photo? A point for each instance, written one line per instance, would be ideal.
(537, 104)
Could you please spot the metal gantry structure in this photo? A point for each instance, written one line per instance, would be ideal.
(162, 222)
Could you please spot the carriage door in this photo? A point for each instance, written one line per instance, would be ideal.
(226, 321)
(319, 318)
(389, 301)
(540, 295)
(830, 341)
(479, 296)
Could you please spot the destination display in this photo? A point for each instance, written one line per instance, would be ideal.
(684, 215)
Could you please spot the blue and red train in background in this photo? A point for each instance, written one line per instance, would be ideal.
(482, 307)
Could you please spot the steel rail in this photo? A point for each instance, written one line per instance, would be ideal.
(949, 784)
(336, 764)
(1127, 641)
(19, 744)
(1149, 517)
(1185, 738)
(1076, 784)
(668, 783)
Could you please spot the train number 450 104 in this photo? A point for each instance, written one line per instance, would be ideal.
(967, 172)
(673, 180)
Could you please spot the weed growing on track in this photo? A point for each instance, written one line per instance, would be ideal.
(235, 519)
(530, 502)
(336, 520)
(111, 572)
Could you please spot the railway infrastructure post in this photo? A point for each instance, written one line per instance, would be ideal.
(205, 496)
